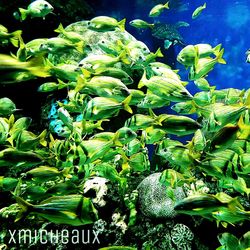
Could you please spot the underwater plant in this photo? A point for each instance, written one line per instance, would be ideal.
(90, 166)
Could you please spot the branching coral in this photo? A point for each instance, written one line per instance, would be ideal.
(99, 185)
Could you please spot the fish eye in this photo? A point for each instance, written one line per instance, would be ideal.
(139, 132)
(46, 5)
(88, 23)
(125, 91)
(140, 57)
(87, 47)
(157, 68)
(184, 93)
(58, 130)
(102, 42)
(80, 64)
(144, 49)
(129, 133)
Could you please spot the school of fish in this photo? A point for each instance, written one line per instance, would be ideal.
(108, 117)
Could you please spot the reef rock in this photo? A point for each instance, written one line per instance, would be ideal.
(182, 236)
(93, 41)
(153, 199)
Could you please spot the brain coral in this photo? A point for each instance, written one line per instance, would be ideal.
(182, 236)
(153, 199)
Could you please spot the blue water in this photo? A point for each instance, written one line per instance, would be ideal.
(223, 21)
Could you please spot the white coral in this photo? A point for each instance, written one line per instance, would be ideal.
(182, 236)
(119, 222)
(199, 187)
(99, 185)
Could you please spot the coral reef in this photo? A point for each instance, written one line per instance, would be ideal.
(69, 174)
(182, 236)
(153, 199)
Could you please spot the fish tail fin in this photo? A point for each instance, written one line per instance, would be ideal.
(247, 101)
(151, 25)
(196, 58)
(79, 46)
(36, 61)
(142, 81)
(124, 57)
(158, 53)
(212, 89)
(65, 173)
(151, 113)
(248, 193)
(14, 40)
(184, 83)
(81, 83)
(22, 51)
(61, 84)
(120, 45)
(13, 55)
(87, 74)
(24, 13)
(16, 35)
(234, 204)
(42, 138)
(195, 105)
(116, 141)
(121, 24)
(241, 123)
(48, 63)
(244, 127)
(25, 207)
(219, 57)
(37, 67)
(217, 49)
(126, 106)
(99, 124)
(166, 5)
(60, 29)
(158, 121)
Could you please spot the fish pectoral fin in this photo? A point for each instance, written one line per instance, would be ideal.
(95, 110)
(167, 44)
(69, 214)
(96, 66)
(109, 91)
(115, 91)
